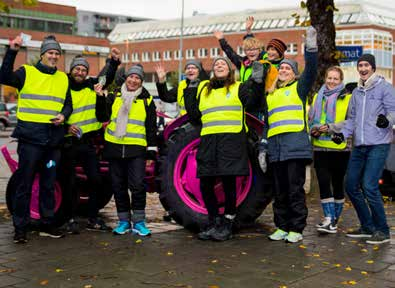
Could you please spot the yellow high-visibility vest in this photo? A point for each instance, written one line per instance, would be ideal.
(285, 111)
(222, 110)
(84, 110)
(325, 140)
(180, 97)
(42, 95)
(135, 129)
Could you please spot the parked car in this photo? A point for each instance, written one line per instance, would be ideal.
(4, 120)
(11, 107)
(387, 181)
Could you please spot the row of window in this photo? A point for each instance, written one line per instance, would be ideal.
(36, 24)
(189, 54)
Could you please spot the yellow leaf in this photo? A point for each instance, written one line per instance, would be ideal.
(138, 241)
(348, 268)
(170, 253)
(263, 260)
(337, 265)
(302, 247)
(88, 286)
(104, 243)
(213, 286)
(376, 248)
(326, 263)
(364, 273)
(243, 253)
(210, 271)
(316, 255)
(214, 261)
(364, 250)
(58, 270)
(352, 282)
(370, 261)
(44, 282)
(283, 286)
(307, 267)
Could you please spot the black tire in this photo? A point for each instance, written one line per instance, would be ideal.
(252, 207)
(3, 125)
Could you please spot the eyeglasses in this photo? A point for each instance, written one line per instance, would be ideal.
(251, 49)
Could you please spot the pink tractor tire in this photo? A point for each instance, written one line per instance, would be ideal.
(180, 192)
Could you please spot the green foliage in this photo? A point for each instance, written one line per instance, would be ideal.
(5, 8)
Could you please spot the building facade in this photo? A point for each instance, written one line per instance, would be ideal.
(151, 42)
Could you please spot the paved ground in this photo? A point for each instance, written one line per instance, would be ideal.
(177, 259)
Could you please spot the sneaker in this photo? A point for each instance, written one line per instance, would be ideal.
(379, 237)
(20, 237)
(140, 229)
(97, 225)
(328, 228)
(293, 237)
(278, 235)
(51, 231)
(72, 227)
(211, 229)
(122, 228)
(359, 233)
(327, 220)
(224, 231)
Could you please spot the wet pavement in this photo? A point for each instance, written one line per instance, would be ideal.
(173, 257)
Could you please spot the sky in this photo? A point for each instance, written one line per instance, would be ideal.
(170, 9)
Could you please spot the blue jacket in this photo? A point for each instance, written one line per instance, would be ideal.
(294, 145)
(376, 97)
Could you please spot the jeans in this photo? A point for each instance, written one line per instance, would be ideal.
(364, 171)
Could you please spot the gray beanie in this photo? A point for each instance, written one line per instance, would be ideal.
(136, 69)
(226, 60)
(79, 61)
(193, 62)
(50, 43)
(292, 63)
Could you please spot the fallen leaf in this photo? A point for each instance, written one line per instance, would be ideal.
(352, 282)
(364, 250)
(283, 286)
(316, 255)
(214, 261)
(302, 247)
(210, 271)
(44, 282)
(88, 286)
(104, 243)
(348, 268)
(170, 253)
(376, 248)
(213, 286)
(307, 267)
(337, 265)
(58, 270)
(243, 253)
(326, 263)
(138, 241)
(364, 273)
(263, 260)
(370, 261)
(7, 270)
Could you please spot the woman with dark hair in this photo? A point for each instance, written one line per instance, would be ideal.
(219, 105)
(327, 115)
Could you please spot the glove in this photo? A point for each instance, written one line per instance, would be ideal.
(262, 160)
(338, 138)
(194, 83)
(311, 39)
(257, 72)
(150, 155)
(382, 121)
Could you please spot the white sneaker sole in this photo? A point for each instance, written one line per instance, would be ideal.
(359, 235)
(135, 231)
(45, 234)
(378, 242)
(323, 231)
(122, 233)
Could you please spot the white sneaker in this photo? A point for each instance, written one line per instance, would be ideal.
(278, 235)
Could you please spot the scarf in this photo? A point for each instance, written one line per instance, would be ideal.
(369, 82)
(330, 97)
(127, 98)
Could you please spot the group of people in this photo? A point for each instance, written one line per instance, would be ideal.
(60, 115)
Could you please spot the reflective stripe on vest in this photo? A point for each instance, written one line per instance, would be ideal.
(180, 97)
(135, 129)
(84, 110)
(42, 95)
(285, 110)
(325, 140)
(222, 111)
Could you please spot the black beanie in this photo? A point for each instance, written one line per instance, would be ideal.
(368, 58)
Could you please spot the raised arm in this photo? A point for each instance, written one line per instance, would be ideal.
(169, 96)
(7, 75)
(230, 53)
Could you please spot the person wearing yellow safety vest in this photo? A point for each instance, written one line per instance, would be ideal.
(193, 70)
(83, 127)
(219, 105)
(44, 103)
(327, 115)
(286, 141)
(130, 139)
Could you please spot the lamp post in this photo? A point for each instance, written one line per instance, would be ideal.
(181, 38)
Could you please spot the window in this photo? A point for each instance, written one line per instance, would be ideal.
(177, 55)
(214, 52)
(167, 55)
(202, 53)
(190, 54)
(155, 56)
(292, 49)
(125, 57)
(145, 57)
(135, 57)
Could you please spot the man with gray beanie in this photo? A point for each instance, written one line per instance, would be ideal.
(83, 126)
(193, 71)
(370, 123)
(44, 103)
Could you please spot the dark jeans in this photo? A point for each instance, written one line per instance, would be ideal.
(35, 159)
(210, 200)
(84, 154)
(289, 207)
(364, 171)
(331, 168)
(128, 173)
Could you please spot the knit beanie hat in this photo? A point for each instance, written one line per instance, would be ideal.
(136, 69)
(278, 45)
(292, 63)
(195, 63)
(50, 43)
(368, 58)
(77, 61)
(225, 59)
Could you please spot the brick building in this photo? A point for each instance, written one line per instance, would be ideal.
(150, 42)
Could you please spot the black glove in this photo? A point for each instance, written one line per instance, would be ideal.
(150, 155)
(194, 83)
(338, 138)
(257, 72)
(382, 121)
